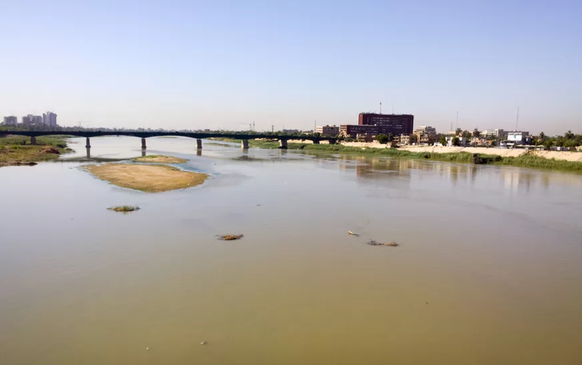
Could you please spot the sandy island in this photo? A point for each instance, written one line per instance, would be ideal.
(148, 178)
(160, 159)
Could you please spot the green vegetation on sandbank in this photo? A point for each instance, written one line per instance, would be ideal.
(160, 159)
(124, 208)
(17, 150)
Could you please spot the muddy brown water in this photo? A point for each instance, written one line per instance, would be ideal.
(488, 269)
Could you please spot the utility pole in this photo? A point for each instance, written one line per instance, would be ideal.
(380, 106)
(272, 128)
(457, 119)
(517, 119)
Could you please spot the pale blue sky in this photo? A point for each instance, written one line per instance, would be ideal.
(224, 64)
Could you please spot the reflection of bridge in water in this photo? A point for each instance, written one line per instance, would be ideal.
(244, 138)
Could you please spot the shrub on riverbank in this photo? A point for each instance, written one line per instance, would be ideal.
(17, 150)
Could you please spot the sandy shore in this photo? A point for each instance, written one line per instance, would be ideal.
(558, 155)
(160, 159)
(148, 178)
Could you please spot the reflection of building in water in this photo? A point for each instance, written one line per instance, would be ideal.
(383, 169)
(515, 179)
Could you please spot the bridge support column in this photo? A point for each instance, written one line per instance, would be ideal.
(143, 144)
(33, 140)
(198, 144)
(244, 144)
(88, 143)
(332, 141)
(283, 144)
(88, 152)
(315, 141)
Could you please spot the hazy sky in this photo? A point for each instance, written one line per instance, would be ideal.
(224, 64)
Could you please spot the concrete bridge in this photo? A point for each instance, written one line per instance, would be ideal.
(199, 136)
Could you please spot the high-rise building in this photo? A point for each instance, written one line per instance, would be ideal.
(49, 119)
(10, 121)
(371, 124)
(397, 123)
(31, 120)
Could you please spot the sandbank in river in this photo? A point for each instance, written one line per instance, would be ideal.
(148, 178)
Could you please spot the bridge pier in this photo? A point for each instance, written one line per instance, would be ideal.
(33, 140)
(88, 152)
(283, 144)
(244, 144)
(88, 143)
(198, 143)
(143, 144)
(315, 141)
(332, 141)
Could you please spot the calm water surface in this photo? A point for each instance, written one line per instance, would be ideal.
(489, 270)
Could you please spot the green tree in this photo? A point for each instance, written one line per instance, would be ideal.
(476, 133)
(467, 134)
(542, 137)
(443, 140)
(548, 144)
(390, 137)
(382, 138)
(456, 141)
(569, 135)
(458, 131)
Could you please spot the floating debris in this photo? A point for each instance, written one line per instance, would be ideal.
(231, 237)
(374, 243)
(203, 343)
(353, 234)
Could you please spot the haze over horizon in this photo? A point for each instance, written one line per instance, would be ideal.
(225, 64)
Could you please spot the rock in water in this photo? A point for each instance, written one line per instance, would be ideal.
(374, 243)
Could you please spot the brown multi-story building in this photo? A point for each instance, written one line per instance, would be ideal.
(394, 123)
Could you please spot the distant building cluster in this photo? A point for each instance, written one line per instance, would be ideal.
(48, 119)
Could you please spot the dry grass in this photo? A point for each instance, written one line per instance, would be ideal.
(148, 178)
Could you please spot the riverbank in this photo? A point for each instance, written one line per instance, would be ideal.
(487, 156)
(147, 178)
(17, 150)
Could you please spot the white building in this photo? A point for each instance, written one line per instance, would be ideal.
(49, 119)
(327, 130)
(518, 137)
(497, 133)
(10, 121)
(462, 141)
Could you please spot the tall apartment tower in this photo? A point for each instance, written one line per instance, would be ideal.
(49, 119)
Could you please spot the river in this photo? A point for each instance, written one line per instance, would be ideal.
(488, 271)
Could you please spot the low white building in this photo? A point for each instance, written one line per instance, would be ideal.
(462, 141)
(497, 133)
(327, 130)
(518, 137)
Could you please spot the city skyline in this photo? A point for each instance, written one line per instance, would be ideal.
(178, 65)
